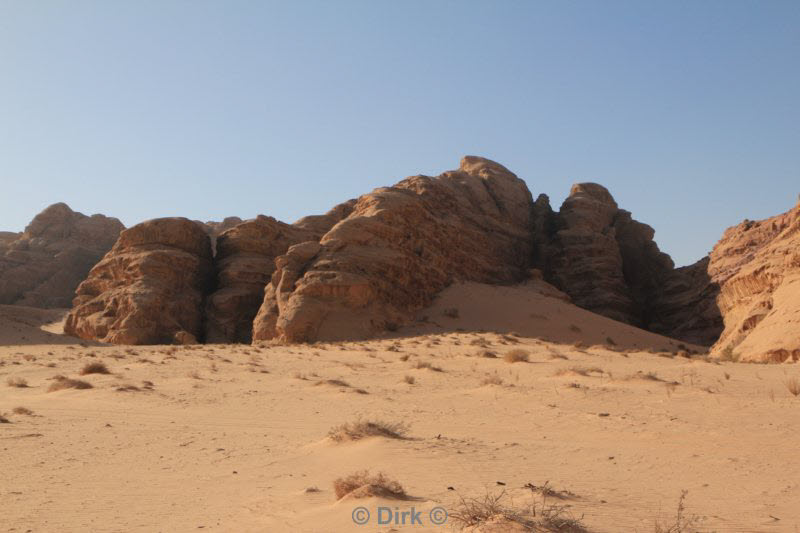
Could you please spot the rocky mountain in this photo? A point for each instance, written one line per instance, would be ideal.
(42, 266)
(369, 264)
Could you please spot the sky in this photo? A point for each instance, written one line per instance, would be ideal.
(687, 111)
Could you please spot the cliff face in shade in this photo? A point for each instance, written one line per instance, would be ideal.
(756, 266)
(42, 266)
(595, 252)
(397, 249)
(149, 288)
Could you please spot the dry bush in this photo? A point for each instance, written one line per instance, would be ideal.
(127, 388)
(4, 420)
(451, 312)
(793, 386)
(610, 341)
(488, 354)
(538, 516)
(20, 383)
(362, 429)
(333, 383)
(22, 411)
(424, 364)
(409, 379)
(492, 379)
(728, 354)
(62, 383)
(516, 356)
(557, 355)
(580, 371)
(680, 523)
(574, 328)
(363, 485)
(94, 368)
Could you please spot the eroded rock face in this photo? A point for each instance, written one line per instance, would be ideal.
(602, 258)
(149, 288)
(42, 266)
(756, 266)
(397, 249)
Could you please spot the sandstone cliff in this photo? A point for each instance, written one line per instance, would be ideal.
(149, 288)
(398, 248)
(757, 268)
(42, 266)
(244, 263)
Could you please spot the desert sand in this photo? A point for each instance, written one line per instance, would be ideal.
(615, 420)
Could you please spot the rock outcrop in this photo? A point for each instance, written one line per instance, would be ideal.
(398, 248)
(42, 266)
(149, 288)
(602, 258)
(756, 266)
(245, 262)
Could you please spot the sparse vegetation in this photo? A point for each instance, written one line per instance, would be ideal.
(610, 341)
(451, 312)
(727, 354)
(4, 420)
(20, 383)
(516, 356)
(62, 382)
(585, 371)
(362, 429)
(538, 516)
(409, 379)
(680, 523)
(363, 485)
(333, 383)
(94, 368)
(22, 411)
(424, 364)
(492, 379)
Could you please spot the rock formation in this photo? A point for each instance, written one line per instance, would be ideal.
(369, 264)
(149, 288)
(215, 229)
(397, 249)
(42, 266)
(756, 266)
(244, 264)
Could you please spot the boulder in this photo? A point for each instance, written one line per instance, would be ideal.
(42, 266)
(149, 288)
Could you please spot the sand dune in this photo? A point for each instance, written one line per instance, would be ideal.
(235, 437)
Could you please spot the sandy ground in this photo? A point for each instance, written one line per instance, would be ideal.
(232, 437)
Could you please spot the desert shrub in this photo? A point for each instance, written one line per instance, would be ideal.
(20, 383)
(94, 368)
(516, 356)
(362, 429)
(363, 485)
(62, 383)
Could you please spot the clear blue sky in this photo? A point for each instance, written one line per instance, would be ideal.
(689, 112)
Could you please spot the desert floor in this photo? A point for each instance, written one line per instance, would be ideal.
(235, 437)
